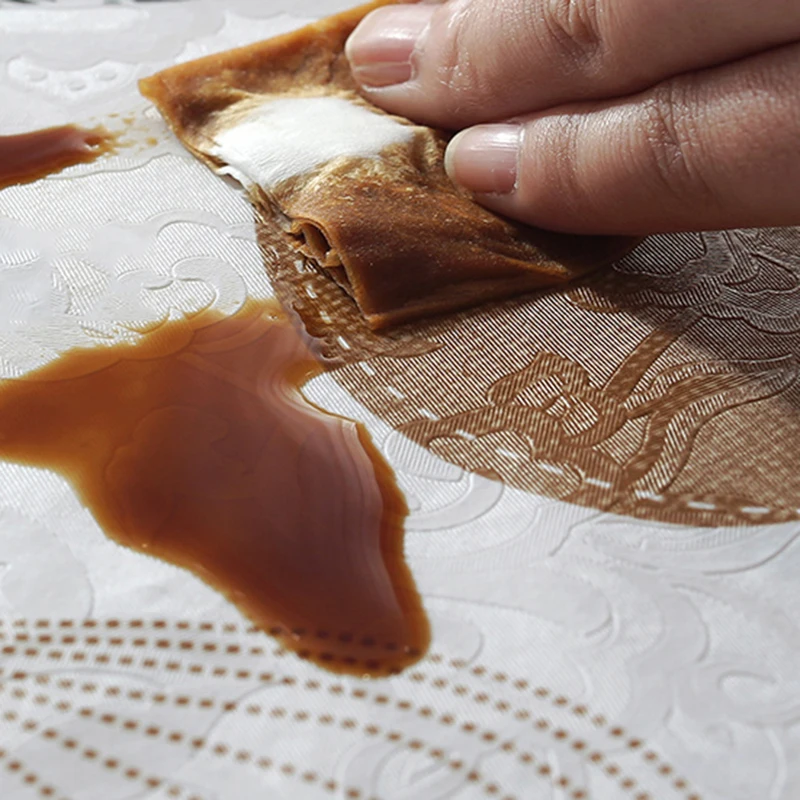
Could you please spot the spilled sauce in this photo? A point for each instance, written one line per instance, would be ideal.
(196, 446)
(26, 157)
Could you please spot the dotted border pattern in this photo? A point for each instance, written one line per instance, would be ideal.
(24, 635)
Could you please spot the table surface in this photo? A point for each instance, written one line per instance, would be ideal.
(577, 653)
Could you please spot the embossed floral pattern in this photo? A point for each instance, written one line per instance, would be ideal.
(578, 653)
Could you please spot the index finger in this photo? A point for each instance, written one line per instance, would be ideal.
(469, 61)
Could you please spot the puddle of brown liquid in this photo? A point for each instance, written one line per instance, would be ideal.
(197, 447)
(27, 157)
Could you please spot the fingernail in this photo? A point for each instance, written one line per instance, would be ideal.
(484, 159)
(380, 48)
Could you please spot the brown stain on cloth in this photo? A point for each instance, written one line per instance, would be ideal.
(195, 446)
(27, 157)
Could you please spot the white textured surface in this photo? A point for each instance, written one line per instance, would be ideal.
(687, 638)
(283, 138)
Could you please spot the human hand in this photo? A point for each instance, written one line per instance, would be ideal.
(604, 116)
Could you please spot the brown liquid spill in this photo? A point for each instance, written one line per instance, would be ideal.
(196, 446)
(27, 157)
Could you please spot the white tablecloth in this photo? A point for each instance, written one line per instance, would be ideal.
(576, 654)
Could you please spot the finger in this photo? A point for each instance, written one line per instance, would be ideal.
(469, 61)
(715, 149)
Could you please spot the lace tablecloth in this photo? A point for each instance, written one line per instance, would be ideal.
(585, 644)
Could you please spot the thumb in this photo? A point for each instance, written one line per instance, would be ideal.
(710, 150)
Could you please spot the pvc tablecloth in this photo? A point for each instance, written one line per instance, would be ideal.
(586, 644)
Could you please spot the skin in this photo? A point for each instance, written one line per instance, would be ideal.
(602, 116)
